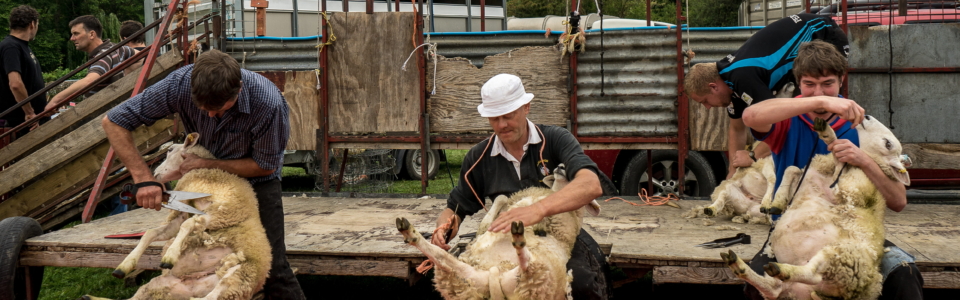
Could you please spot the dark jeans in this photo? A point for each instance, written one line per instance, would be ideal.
(589, 269)
(904, 282)
(281, 284)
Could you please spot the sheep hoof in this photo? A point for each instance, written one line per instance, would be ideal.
(763, 210)
(166, 265)
(516, 228)
(119, 274)
(819, 124)
(775, 211)
(708, 211)
(403, 224)
(773, 269)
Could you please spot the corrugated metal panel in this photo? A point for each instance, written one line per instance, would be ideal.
(924, 105)
(274, 55)
(476, 47)
(639, 89)
(639, 92)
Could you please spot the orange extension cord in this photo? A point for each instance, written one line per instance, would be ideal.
(427, 264)
(650, 200)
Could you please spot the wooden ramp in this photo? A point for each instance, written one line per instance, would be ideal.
(349, 236)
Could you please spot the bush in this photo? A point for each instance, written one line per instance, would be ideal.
(60, 72)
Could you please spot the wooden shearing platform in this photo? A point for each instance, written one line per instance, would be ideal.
(351, 236)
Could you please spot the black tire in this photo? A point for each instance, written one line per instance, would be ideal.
(699, 179)
(412, 162)
(13, 284)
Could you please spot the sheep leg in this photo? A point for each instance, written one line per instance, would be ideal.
(191, 225)
(162, 233)
(769, 172)
(824, 130)
(221, 286)
(791, 178)
(719, 197)
(807, 274)
(498, 204)
(441, 258)
(768, 286)
(519, 243)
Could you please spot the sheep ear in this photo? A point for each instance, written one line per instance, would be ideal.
(902, 176)
(593, 208)
(191, 140)
(549, 180)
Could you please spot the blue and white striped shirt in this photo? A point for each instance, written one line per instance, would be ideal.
(257, 126)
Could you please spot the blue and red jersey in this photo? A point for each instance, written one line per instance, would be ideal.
(794, 142)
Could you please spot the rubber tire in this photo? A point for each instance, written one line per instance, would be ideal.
(13, 232)
(413, 170)
(630, 185)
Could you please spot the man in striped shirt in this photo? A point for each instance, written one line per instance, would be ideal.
(86, 33)
(242, 119)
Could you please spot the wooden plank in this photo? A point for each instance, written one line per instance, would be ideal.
(90, 108)
(933, 156)
(85, 259)
(694, 275)
(76, 172)
(941, 280)
(369, 93)
(708, 127)
(345, 267)
(300, 90)
(929, 232)
(453, 109)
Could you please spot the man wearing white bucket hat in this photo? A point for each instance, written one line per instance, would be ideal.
(519, 155)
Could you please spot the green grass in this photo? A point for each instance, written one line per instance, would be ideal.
(297, 180)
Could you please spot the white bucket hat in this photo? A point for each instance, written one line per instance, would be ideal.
(501, 95)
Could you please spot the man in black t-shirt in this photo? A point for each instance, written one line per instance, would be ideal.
(21, 70)
(85, 33)
(755, 72)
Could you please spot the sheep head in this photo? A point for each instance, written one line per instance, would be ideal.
(170, 168)
(559, 179)
(880, 144)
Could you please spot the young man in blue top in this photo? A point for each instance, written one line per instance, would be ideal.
(786, 126)
(755, 72)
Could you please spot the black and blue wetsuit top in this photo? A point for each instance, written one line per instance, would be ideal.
(764, 63)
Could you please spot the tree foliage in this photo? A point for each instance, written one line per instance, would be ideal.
(703, 13)
(52, 45)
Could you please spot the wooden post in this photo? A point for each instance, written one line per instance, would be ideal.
(261, 6)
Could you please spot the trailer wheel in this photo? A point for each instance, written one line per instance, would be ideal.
(698, 179)
(414, 161)
(13, 278)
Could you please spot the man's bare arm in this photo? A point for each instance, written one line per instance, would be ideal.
(584, 188)
(243, 167)
(761, 116)
(61, 97)
(121, 140)
(20, 93)
(736, 140)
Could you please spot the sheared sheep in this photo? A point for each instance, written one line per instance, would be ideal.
(743, 193)
(829, 242)
(221, 255)
(529, 263)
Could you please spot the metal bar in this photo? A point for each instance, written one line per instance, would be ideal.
(478, 138)
(323, 139)
(346, 5)
(424, 135)
(77, 70)
(905, 70)
(649, 12)
(649, 172)
(807, 3)
(343, 168)
(573, 80)
(682, 112)
(140, 85)
(469, 16)
(397, 3)
(369, 11)
(483, 15)
(626, 139)
(843, 25)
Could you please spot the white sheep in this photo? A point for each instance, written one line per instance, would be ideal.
(744, 193)
(519, 265)
(829, 242)
(221, 255)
